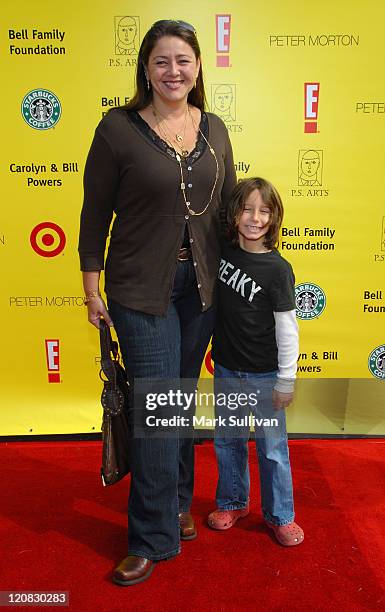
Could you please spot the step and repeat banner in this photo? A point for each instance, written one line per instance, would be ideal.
(301, 91)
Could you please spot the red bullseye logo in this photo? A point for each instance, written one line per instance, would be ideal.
(47, 239)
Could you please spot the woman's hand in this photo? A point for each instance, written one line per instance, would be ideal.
(96, 309)
(282, 400)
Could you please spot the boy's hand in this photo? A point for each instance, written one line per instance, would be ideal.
(282, 400)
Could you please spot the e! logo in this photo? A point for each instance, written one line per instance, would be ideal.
(311, 107)
(223, 23)
(53, 363)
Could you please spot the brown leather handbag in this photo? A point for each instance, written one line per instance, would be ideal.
(116, 400)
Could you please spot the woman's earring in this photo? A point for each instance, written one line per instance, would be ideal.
(147, 79)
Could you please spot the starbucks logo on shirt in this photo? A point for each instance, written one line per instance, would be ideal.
(310, 301)
(376, 362)
(41, 109)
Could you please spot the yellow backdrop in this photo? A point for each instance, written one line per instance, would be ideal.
(300, 88)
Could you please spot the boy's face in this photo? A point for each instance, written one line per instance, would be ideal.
(254, 222)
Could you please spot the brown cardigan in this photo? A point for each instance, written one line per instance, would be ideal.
(128, 174)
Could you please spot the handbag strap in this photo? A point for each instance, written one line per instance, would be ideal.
(108, 347)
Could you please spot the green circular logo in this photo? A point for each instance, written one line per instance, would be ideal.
(41, 109)
(310, 301)
(376, 362)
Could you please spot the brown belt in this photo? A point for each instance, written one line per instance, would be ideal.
(184, 254)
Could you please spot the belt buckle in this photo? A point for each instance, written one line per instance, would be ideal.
(184, 254)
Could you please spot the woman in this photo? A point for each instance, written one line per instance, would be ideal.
(165, 168)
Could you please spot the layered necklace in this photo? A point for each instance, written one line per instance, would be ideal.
(173, 140)
(175, 143)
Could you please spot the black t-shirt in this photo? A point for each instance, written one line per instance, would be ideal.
(251, 287)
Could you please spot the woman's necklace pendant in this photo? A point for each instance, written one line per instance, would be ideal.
(179, 137)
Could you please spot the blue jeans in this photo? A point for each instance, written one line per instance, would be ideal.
(271, 442)
(162, 469)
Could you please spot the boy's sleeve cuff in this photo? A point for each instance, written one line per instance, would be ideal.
(284, 385)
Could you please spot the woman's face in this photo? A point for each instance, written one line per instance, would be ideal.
(172, 69)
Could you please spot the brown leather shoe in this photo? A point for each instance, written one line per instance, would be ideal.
(187, 526)
(133, 570)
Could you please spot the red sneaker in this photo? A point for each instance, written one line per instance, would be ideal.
(224, 519)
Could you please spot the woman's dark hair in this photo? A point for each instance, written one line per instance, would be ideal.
(143, 95)
(236, 206)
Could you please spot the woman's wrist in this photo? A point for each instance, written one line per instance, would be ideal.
(91, 295)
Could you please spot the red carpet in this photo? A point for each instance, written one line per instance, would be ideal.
(61, 530)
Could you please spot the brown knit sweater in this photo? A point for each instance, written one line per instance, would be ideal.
(132, 173)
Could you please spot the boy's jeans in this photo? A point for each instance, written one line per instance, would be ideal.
(231, 445)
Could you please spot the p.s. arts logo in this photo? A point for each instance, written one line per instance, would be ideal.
(41, 109)
(309, 174)
(223, 101)
(310, 301)
(126, 35)
(376, 362)
(47, 239)
(310, 163)
(126, 42)
(223, 104)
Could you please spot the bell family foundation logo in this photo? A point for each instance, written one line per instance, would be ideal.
(310, 301)
(311, 107)
(376, 362)
(41, 109)
(222, 30)
(53, 360)
(47, 239)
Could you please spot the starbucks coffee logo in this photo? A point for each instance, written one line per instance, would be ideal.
(41, 109)
(310, 301)
(376, 362)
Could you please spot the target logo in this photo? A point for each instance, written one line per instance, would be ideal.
(47, 239)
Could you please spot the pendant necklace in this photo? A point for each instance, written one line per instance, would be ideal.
(183, 153)
(179, 137)
(183, 184)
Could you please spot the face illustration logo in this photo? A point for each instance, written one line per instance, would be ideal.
(310, 164)
(310, 301)
(53, 360)
(311, 107)
(126, 35)
(223, 101)
(376, 362)
(47, 239)
(41, 109)
(222, 28)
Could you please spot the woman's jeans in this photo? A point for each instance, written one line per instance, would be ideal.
(231, 446)
(162, 469)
